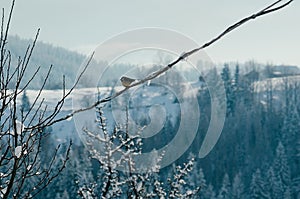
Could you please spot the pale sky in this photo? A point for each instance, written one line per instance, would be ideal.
(81, 25)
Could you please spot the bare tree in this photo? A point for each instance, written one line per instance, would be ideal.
(21, 131)
(120, 175)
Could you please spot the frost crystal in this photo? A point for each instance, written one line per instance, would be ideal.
(2, 192)
(20, 128)
(29, 167)
(18, 151)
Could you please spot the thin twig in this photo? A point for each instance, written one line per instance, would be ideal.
(48, 121)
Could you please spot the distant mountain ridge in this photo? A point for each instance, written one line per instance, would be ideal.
(65, 62)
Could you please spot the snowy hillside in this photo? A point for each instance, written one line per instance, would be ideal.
(149, 106)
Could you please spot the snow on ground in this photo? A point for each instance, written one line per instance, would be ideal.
(148, 105)
(276, 83)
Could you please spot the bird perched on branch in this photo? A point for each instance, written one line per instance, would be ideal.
(126, 81)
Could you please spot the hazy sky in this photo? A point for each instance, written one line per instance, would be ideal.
(81, 25)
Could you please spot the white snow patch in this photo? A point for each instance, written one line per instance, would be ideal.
(2, 192)
(29, 167)
(18, 151)
(20, 128)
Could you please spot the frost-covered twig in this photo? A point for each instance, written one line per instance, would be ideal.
(121, 178)
(178, 181)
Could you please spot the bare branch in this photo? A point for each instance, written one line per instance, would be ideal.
(48, 121)
(20, 147)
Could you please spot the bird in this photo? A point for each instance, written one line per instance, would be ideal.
(126, 81)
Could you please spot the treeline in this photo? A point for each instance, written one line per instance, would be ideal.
(66, 66)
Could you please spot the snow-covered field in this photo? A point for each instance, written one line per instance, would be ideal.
(148, 106)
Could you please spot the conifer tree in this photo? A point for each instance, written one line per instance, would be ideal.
(225, 191)
(226, 77)
(281, 170)
(238, 188)
(210, 193)
(257, 186)
(271, 183)
(290, 136)
(25, 106)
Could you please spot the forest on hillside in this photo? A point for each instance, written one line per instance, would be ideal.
(257, 155)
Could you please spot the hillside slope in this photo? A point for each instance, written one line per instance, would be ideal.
(64, 62)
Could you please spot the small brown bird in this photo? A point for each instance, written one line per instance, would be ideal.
(126, 81)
